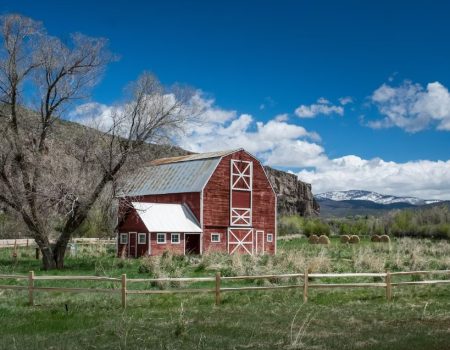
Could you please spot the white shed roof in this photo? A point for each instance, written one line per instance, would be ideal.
(158, 217)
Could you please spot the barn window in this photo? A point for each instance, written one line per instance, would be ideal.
(269, 237)
(124, 238)
(175, 238)
(142, 238)
(161, 238)
(215, 237)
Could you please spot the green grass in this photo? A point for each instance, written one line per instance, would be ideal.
(417, 318)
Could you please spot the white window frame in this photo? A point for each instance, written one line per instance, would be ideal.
(139, 238)
(121, 238)
(269, 237)
(217, 234)
(173, 235)
(157, 238)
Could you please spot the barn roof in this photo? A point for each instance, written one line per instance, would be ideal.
(158, 217)
(174, 175)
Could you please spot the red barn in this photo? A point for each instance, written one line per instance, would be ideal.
(218, 201)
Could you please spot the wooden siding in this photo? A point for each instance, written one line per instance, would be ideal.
(209, 246)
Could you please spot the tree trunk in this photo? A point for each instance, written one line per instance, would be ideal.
(59, 252)
(47, 257)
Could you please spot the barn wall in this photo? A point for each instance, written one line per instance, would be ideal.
(192, 199)
(132, 223)
(158, 249)
(216, 205)
(209, 246)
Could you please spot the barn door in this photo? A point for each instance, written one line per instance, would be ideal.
(259, 242)
(240, 241)
(132, 245)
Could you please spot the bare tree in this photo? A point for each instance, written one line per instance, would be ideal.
(52, 186)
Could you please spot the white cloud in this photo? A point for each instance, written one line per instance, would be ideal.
(423, 178)
(276, 142)
(411, 107)
(323, 106)
(279, 143)
(345, 100)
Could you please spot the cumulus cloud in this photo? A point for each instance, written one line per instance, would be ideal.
(279, 143)
(412, 107)
(322, 107)
(276, 142)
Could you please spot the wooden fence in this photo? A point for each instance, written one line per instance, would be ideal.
(303, 284)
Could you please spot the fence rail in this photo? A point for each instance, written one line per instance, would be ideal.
(306, 277)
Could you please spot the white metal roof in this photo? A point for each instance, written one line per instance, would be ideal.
(158, 217)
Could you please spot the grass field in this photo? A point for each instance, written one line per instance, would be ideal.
(417, 318)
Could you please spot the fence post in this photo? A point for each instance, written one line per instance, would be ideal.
(305, 286)
(218, 288)
(30, 287)
(124, 290)
(388, 286)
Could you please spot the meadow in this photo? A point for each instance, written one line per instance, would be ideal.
(417, 317)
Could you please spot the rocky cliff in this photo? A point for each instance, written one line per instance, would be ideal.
(294, 196)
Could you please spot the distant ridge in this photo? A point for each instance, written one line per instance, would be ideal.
(361, 195)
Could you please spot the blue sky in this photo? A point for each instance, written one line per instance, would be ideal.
(268, 58)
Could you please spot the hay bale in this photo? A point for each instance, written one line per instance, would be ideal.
(375, 238)
(324, 240)
(354, 239)
(313, 239)
(385, 239)
(345, 238)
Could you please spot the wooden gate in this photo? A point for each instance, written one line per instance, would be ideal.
(240, 241)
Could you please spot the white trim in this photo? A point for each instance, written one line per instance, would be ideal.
(258, 232)
(215, 234)
(165, 238)
(245, 216)
(240, 242)
(269, 237)
(123, 234)
(139, 238)
(175, 234)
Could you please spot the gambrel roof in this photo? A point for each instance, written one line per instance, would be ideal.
(174, 175)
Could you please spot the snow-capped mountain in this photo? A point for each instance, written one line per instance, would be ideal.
(372, 197)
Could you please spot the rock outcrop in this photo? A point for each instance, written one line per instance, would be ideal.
(294, 196)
